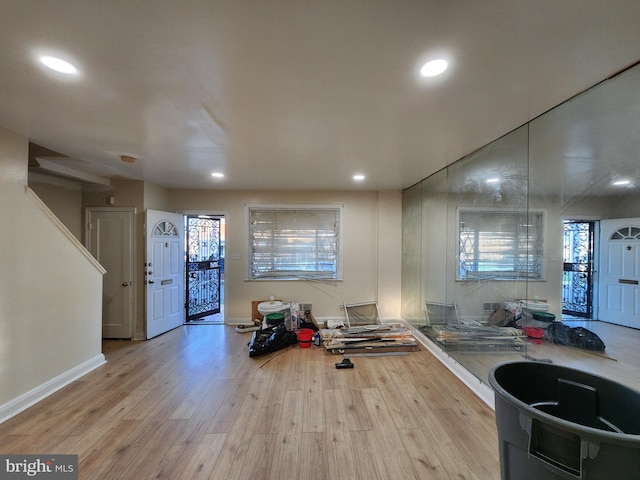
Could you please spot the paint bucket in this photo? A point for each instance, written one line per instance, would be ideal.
(274, 319)
(304, 337)
(543, 316)
(535, 334)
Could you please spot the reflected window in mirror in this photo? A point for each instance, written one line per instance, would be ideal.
(500, 245)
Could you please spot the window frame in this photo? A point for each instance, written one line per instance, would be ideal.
(504, 275)
(249, 271)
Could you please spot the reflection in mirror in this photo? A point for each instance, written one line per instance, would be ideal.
(585, 171)
(512, 232)
(434, 227)
(487, 250)
(411, 289)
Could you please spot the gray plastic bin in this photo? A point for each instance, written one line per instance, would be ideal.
(558, 423)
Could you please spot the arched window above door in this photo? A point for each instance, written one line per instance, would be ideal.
(165, 228)
(626, 233)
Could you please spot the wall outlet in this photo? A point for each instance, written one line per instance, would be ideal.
(235, 256)
(305, 306)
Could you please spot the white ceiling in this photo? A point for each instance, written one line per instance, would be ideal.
(296, 94)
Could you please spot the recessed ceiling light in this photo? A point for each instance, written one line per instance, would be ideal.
(434, 68)
(493, 180)
(358, 177)
(59, 65)
(217, 175)
(622, 182)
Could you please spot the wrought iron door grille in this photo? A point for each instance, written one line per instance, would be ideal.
(203, 267)
(577, 275)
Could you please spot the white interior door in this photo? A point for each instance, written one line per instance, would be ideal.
(619, 290)
(110, 240)
(164, 272)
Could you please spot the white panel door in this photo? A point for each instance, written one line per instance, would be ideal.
(164, 272)
(619, 276)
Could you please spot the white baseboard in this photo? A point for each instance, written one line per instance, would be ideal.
(34, 395)
(233, 322)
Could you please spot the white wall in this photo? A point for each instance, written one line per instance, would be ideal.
(50, 292)
(371, 249)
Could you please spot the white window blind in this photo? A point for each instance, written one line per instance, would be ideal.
(500, 245)
(294, 243)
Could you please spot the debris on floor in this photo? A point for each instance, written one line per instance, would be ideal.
(268, 340)
(382, 338)
(345, 363)
(256, 325)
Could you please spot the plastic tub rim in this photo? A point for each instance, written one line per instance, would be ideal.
(627, 439)
(276, 306)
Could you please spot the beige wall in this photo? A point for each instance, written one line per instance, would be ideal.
(156, 197)
(372, 246)
(63, 200)
(389, 253)
(371, 249)
(50, 292)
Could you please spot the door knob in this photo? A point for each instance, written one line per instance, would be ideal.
(125, 284)
(151, 281)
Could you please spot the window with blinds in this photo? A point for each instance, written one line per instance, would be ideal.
(294, 243)
(500, 245)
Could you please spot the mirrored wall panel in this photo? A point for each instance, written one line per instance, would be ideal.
(529, 248)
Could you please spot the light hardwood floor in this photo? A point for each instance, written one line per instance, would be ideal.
(191, 404)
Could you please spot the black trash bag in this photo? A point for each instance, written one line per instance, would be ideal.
(578, 337)
(558, 333)
(586, 339)
(270, 340)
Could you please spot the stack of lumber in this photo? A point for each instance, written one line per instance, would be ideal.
(385, 338)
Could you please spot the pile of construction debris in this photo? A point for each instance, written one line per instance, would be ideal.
(376, 338)
(362, 332)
